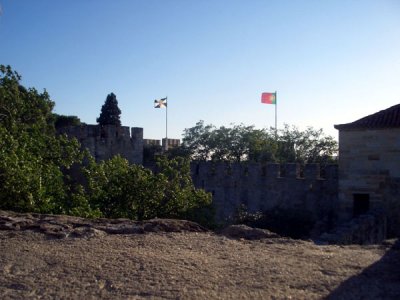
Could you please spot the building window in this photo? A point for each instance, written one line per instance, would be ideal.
(360, 204)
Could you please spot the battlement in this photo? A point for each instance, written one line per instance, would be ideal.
(269, 170)
(103, 142)
(262, 187)
(97, 131)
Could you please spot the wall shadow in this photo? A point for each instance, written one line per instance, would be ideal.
(379, 281)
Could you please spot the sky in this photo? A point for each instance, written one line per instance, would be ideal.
(331, 62)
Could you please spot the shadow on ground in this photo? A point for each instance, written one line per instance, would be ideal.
(379, 281)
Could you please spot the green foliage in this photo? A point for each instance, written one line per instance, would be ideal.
(150, 152)
(180, 198)
(110, 112)
(37, 167)
(119, 189)
(306, 146)
(63, 121)
(32, 157)
(197, 141)
(22, 108)
(239, 142)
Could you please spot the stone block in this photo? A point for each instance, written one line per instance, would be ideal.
(312, 171)
(273, 170)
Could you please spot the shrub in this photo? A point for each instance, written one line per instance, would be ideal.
(283, 221)
(119, 189)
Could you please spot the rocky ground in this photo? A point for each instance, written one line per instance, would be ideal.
(59, 257)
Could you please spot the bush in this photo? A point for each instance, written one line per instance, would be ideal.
(121, 190)
(64, 121)
(292, 223)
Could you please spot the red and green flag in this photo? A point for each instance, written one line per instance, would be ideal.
(268, 98)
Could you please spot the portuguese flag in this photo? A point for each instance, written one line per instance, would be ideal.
(268, 98)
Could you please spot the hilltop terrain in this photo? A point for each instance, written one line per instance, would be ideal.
(48, 257)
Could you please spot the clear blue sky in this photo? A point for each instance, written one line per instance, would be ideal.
(331, 62)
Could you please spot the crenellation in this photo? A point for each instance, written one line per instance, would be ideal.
(331, 172)
(273, 170)
(292, 170)
(254, 171)
(125, 131)
(260, 186)
(104, 142)
(312, 171)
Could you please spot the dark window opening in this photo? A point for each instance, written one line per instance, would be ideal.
(264, 171)
(360, 204)
(374, 157)
(103, 133)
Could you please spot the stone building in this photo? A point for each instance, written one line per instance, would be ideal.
(369, 168)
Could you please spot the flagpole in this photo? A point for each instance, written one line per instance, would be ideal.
(166, 124)
(276, 112)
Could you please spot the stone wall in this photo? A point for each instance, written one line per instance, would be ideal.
(369, 163)
(104, 142)
(263, 187)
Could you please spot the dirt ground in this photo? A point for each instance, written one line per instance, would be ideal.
(173, 260)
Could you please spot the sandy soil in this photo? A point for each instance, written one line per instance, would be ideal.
(93, 264)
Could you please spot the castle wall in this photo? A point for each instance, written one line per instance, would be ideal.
(263, 187)
(103, 142)
(369, 164)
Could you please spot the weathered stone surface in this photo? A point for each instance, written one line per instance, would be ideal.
(106, 141)
(248, 233)
(192, 265)
(61, 226)
(263, 187)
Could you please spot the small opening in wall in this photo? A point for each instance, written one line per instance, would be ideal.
(264, 171)
(360, 204)
(373, 157)
(103, 133)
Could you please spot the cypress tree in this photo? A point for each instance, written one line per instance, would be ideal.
(110, 112)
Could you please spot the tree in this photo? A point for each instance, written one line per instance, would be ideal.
(110, 112)
(32, 156)
(197, 140)
(63, 121)
(121, 190)
(308, 146)
(245, 143)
